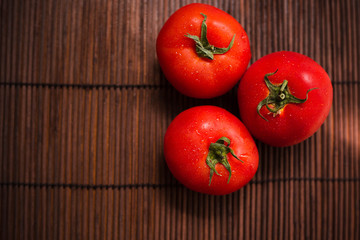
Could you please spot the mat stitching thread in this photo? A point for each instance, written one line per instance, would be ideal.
(112, 86)
(159, 185)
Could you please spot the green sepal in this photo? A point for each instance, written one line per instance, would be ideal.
(218, 154)
(279, 96)
(202, 46)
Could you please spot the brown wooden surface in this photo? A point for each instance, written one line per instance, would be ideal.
(84, 107)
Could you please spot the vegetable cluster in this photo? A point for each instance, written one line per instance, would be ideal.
(283, 99)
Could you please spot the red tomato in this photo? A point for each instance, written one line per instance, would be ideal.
(200, 146)
(187, 42)
(294, 109)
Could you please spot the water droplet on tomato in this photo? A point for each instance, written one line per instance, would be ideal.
(243, 156)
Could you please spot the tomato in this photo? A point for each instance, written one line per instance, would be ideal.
(210, 151)
(202, 51)
(284, 98)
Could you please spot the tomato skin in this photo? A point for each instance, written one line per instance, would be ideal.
(196, 76)
(295, 122)
(186, 145)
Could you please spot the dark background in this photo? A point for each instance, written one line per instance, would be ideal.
(84, 107)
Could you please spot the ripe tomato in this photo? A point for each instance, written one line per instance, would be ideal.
(210, 151)
(202, 51)
(284, 98)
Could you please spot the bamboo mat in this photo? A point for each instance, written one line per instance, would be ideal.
(84, 107)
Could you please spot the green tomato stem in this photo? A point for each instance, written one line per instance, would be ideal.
(218, 154)
(279, 96)
(203, 48)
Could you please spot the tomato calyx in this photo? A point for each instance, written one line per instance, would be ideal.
(203, 47)
(218, 154)
(279, 96)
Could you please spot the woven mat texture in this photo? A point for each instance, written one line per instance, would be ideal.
(84, 107)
